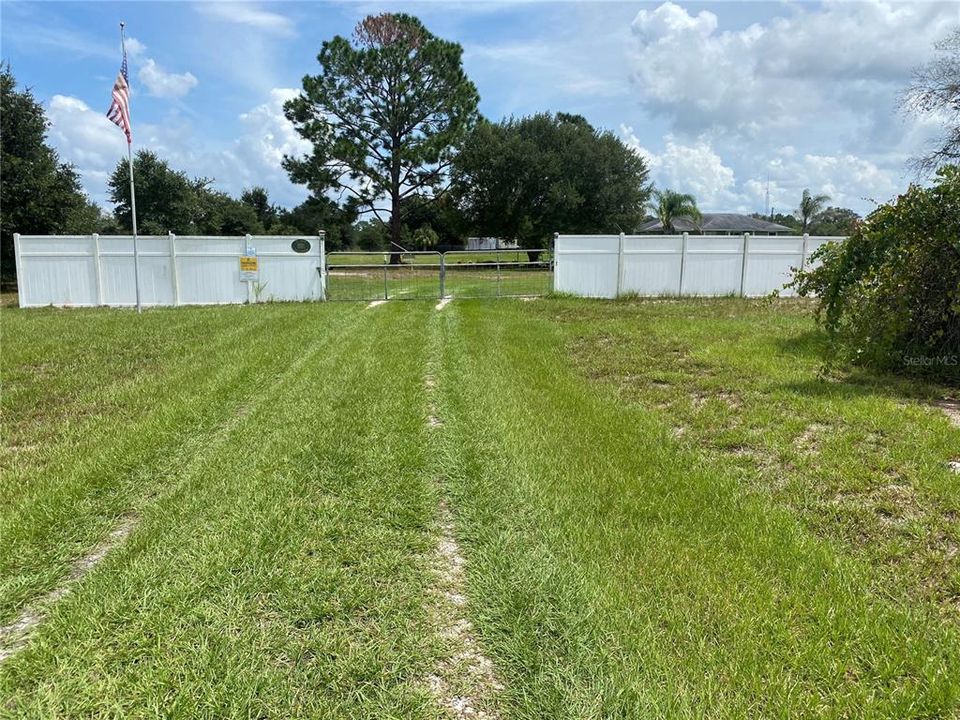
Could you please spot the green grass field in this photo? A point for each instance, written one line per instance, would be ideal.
(660, 509)
(417, 282)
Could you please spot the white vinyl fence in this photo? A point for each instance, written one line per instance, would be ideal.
(90, 270)
(608, 266)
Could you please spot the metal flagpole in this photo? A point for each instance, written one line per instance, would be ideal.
(133, 196)
(136, 248)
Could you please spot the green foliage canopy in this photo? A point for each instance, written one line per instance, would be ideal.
(810, 208)
(440, 215)
(41, 195)
(668, 205)
(369, 235)
(528, 178)
(384, 115)
(258, 199)
(169, 201)
(890, 294)
(834, 221)
(315, 214)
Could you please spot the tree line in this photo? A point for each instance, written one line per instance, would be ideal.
(401, 159)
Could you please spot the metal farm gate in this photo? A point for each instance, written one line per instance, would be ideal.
(431, 275)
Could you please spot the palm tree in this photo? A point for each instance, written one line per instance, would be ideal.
(670, 205)
(810, 207)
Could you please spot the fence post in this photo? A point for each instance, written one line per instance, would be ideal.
(174, 278)
(97, 268)
(18, 264)
(443, 274)
(803, 255)
(619, 266)
(553, 262)
(498, 268)
(322, 237)
(386, 295)
(683, 262)
(246, 249)
(743, 264)
(136, 254)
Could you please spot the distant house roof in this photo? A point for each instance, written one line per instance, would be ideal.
(720, 223)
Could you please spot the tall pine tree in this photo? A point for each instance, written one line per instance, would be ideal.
(385, 116)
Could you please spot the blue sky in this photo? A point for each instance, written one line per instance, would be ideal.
(717, 96)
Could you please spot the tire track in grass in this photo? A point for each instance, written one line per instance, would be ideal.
(619, 574)
(71, 418)
(16, 635)
(950, 408)
(284, 578)
(464, 683)
(53, 520)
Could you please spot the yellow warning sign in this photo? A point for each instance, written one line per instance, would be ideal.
(248, 268)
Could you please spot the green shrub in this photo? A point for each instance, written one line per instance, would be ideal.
(890, 294)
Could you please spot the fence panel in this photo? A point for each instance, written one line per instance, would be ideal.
(56, 270)
(771, 263)
(91, 270)
(680, 265)
(587, 265)
(713, 265)
(651, 267)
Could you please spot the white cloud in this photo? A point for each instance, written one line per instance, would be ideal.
(669, 20)
(806, 98)
(268, 136)
(135, 48)
(86, 138)
(275, 134)
(850, 181)
(699, 169)
(251, 15)
(695, 168)
(819, 64)
(163, 84)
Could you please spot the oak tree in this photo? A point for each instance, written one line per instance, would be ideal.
(41, 195)
(526, 178)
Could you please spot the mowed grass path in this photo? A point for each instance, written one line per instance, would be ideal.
(663, 513)
(620, 569)
(274, 570)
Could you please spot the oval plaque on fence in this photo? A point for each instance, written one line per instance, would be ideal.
(300, 245)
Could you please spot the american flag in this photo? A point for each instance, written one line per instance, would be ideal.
(119, 112)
